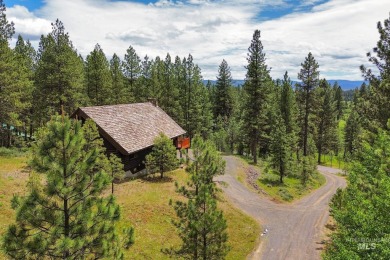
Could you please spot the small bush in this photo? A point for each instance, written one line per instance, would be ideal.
(270, 178)
(285, 194)
(12, 152)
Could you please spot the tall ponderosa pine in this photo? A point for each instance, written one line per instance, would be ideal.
(289, 109)
(326, 119)
(169, 99)
(131, 69)
(201, 226)
(309, 76)
(145, 86)
(223, 105)
(118, 92)
(338, 97)
(197, 106)
(66, 216)
(97, 77)
(352, 133)
(163, 157)
(26, 61)
(257, 78)
(59, 76)
(280, 148)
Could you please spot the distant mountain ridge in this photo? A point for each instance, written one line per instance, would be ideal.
(344, 84)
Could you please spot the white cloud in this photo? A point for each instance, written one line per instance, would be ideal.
(338, 33)
(28, 24)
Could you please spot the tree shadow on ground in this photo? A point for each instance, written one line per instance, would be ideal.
(156, 179)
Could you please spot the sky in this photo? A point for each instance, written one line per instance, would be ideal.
(339, 33)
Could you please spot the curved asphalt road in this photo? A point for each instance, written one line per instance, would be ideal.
(294, 230)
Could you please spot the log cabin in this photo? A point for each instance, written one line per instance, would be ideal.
(129, 131)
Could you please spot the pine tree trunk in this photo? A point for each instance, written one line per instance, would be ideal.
(306, 125)
(281, 169)
(9, 136)
(254, 152)
(112, 183)
(319, 153)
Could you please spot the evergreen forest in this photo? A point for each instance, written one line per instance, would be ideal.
(285, 128)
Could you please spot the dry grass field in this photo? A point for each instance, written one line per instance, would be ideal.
(145, 205)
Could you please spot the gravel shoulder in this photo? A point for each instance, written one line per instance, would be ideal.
(291, 231)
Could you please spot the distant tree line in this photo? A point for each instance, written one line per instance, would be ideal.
(264, 118)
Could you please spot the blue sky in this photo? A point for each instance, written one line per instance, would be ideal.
(339, 33)
(272, 11)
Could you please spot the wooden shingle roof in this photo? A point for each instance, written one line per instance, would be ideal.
(131, 127)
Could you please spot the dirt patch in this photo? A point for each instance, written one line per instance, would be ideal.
(326, 233)
(18, 174)
(252, 176)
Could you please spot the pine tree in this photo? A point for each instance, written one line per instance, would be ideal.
(309, 76)
(26, 61)
(116, 169)
(280, 152)
(326, 119)
(305, 95)
(66, 216)
(379, 94)
(223, 101)
(169, 98)
(156, 74)
(180, 82)
(7, 29)
(15, 83)
(257, 78)
(98, 77)
(145, 86)
(283, 134)
(59, 75)
(289, 110)
(163, 157)
(197, 106)
(338, 97)
(352, 133)
(234, 124)
(131, 70)
(118, 93)
(201, 225)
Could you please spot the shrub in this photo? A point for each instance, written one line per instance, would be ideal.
(285, 194)
(270, 177)
(12, 152)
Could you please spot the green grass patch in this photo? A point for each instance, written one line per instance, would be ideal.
(249, 160)
(13, 179)
(291, 188)
(145, 206)
(13, 152)
(332, 161)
